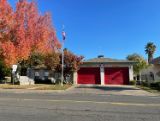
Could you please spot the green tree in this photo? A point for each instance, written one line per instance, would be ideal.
(36, 60)
(150, 49)
(4, 70)
(52, 60)
(140, 63)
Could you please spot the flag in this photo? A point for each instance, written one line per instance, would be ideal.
(64, 35)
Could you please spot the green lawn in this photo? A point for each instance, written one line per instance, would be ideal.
(35, 87)
(152, 90)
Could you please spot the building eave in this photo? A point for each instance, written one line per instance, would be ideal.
(120, 62)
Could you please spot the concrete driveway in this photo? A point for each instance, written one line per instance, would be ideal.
(110, 90)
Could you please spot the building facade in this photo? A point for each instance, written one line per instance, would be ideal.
(104, 71)
(152, 73)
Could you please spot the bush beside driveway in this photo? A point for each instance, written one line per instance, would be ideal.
(149, 89)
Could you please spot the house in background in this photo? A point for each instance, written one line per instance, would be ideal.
(152, 73)
(104, 71)
(39, 75)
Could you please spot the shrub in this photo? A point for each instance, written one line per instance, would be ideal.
(58, 81)
(155, 85)
(132, 82)
(144, 83)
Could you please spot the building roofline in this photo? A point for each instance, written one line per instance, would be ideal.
(107, 60)
(112, 62)
(156, 61)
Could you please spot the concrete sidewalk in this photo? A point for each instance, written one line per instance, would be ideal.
(98, 90)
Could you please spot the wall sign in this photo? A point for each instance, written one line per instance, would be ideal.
(14, 68)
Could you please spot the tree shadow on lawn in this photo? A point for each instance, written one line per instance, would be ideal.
(107, 88)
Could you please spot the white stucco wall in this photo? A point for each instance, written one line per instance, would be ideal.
(102, 74)
(155, 69)
(131, 74)
(75, 78)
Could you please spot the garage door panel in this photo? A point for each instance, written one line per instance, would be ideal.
(89, 76)
(118, 76)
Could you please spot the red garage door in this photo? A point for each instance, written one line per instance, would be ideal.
(118, 76)
(89, 76)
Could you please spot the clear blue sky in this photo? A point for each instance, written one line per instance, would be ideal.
(114, 28)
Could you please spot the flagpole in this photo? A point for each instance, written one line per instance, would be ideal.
(63, 39)
(62, 64)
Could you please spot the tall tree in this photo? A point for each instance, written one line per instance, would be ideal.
(25, 31)
(150, 49)
(8, 50)
(36, 30)
(140, 63)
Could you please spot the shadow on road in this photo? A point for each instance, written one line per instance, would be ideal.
(107, 88)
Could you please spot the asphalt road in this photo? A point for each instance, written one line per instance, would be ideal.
(77, 107)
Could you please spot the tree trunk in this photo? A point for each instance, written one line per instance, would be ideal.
(150, 58)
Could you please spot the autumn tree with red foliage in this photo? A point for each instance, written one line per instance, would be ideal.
(27, 37)
(8, 50)
(71, 63)
(24, 31)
